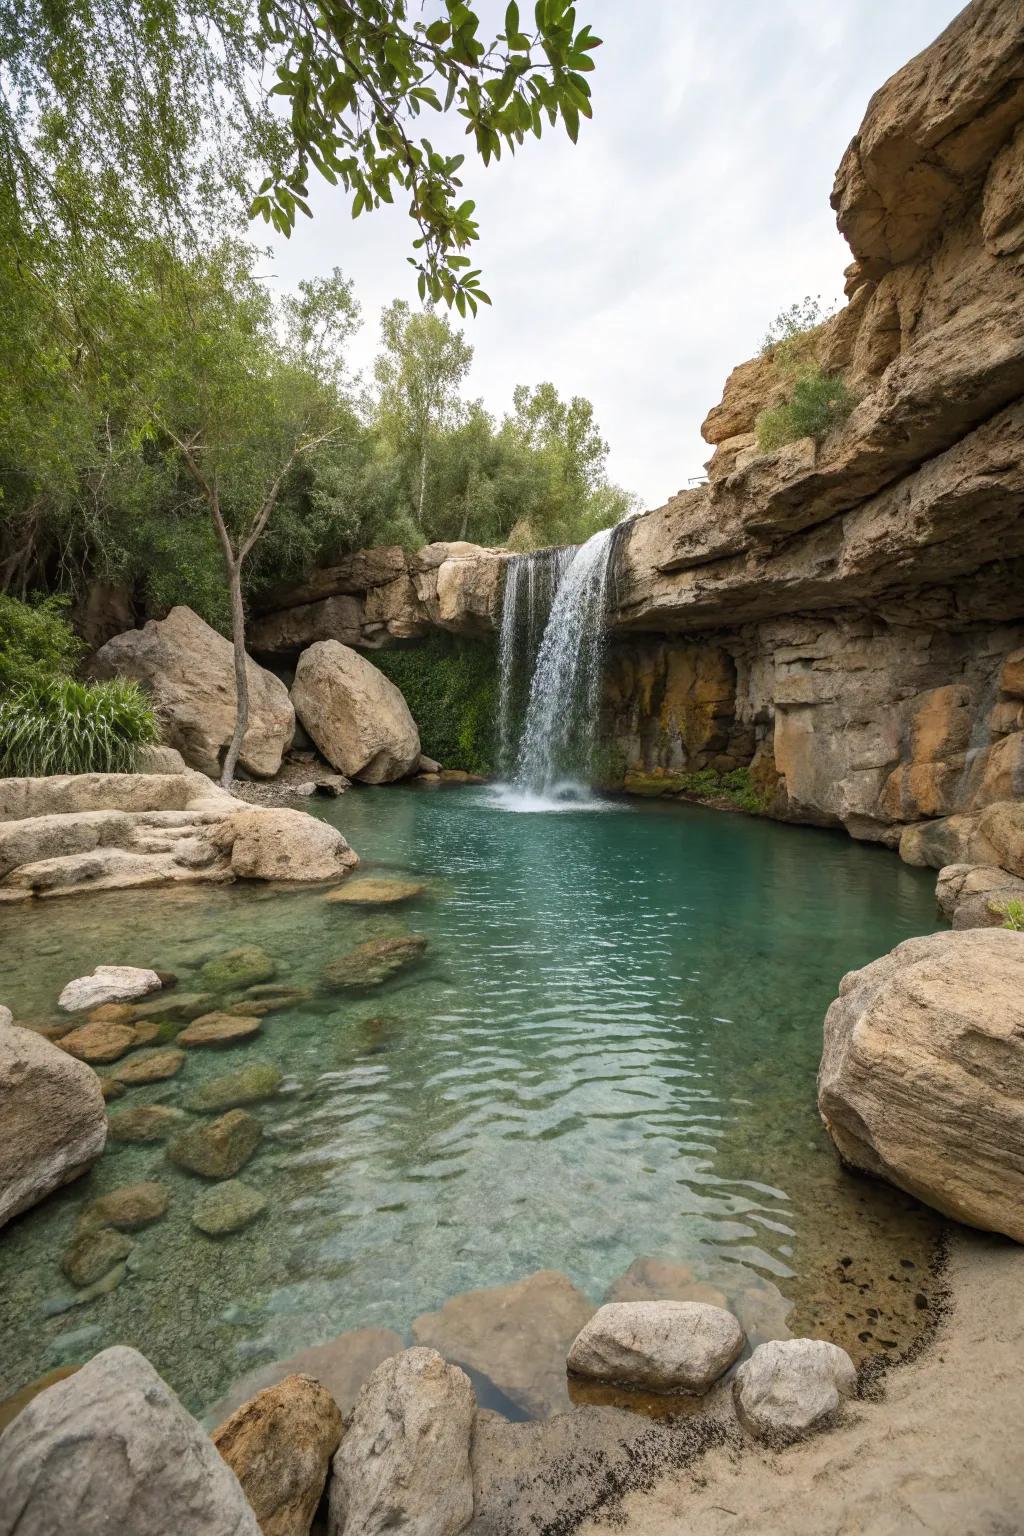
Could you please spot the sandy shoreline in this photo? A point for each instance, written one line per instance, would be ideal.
(941, 1451)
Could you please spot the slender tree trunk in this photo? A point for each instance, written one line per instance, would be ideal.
(241, 674)
(423, 483)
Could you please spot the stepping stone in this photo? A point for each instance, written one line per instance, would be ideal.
(93, 1254)
(249, 1085)
(220, 1029)
(149, 1067)
(376, 893)
(661, 1346)
(227, 1208)
(99, 1042)
(219, 1149)
(144, 1122)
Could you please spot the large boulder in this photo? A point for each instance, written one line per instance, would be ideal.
(355, 715)
(189, 670)
(403, 1463)
(279, 1446)
(1002, 824)
(661, 1346)
(53, 1124)
(790, 1387)
(922, 1075)
(112, 1449)
(280, 844)
(976, 895)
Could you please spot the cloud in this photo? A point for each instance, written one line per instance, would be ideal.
(640, 266)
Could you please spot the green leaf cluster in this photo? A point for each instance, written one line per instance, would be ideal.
(1012, 913)
(37, 642)
(451, 686)
(66, 726)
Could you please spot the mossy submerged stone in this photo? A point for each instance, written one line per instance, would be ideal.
(128, 1208)
(220, 1029)
(238, 968)
(370, 892)
(227, 1208)
(144, 1122)
(218, 1149)
(149, 1067)
(93, 1254)
(372, 963)
(249, 1085)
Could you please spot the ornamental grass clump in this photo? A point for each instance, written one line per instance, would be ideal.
(65, 726)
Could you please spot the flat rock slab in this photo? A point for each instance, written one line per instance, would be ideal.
(660, 1346)
(376, 893)
(220, 1029)
(279, 1446)
(517, 1335)
(790, 1387)
(99, 1043)
(217, 1149)
(227, 1208)
(149, 1067)
(108, 984)
(256, 1081)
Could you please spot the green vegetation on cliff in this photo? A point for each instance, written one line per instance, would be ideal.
(816, 401)
(451, 686)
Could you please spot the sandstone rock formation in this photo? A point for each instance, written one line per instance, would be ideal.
(279, 844)
(279, 1446)
(922, 1075)
(661, 1346)
(53, 1123)
(403, 1462)
(188, 668)
(976, 895)
(112, 1449)
(355, 715)
(792, 1387)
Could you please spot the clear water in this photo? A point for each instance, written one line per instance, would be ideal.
(610, 1053)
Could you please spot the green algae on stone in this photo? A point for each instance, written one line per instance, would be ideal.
(217, 1149)
(372, 963)
(93, 1254)
(228, 1207)
(252, 1083)
(144, 1122)
(238, 968)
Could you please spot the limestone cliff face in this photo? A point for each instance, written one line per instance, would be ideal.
(860, 602)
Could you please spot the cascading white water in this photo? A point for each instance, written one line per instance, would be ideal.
(556, 748)
(531, 582)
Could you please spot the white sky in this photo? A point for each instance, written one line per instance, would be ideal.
(641, 265)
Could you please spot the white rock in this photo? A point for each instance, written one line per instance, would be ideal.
(6, 1017)
(53, 1122)
(664, 1346)
(108, 984)
(111, 1450)
(357, 717)
(403, 1463)
(790, 1387)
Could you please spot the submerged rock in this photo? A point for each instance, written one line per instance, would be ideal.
(279, 1446)
(93, 1254)
(149, 1067)
(662, 1346)
(342, 1365)
(517, 1335)
(144, 1122)
(377, 893)
(217, 1149)
(238, 968)
(282, 844)
(654, 1279)
(403, 1462)
(53, 1123)
(111, 1449)
(228, 1207)
(220, 1029)
(108, 984)
(355, 715)
(790, 1387)
(372, 963)
(922, 1075)
(252, 1083)
(99, 1042)
(128, 1208)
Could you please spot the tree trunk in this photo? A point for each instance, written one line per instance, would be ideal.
(241, 676)
(423, 483)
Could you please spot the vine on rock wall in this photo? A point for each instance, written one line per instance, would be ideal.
(451, 686)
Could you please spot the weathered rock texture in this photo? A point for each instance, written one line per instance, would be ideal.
(922, 1075)
(355, 715)
(279, 1446)
(112, 1449)
(791, 1387)
(188, 668)
(663, 1346)
(53, 1123)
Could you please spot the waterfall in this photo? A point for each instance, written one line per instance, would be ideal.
(556, 746)
(531, 582)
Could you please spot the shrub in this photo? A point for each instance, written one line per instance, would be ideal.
(1012, 913)
(799, 320)
(64, 726)
(36, 641)
(451, 687)
(736, 786)
(818, 403)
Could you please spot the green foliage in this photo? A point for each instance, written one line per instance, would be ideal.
(36, 641)
(818, 403)
(64, 726)
(737, 787)
(1012, 913)
(451, 686)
